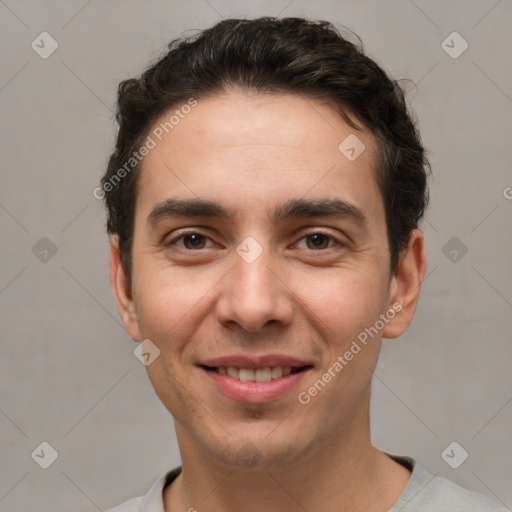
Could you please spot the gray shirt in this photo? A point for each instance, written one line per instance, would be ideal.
(424, 493)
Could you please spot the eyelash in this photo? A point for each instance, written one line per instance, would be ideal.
(183, 235)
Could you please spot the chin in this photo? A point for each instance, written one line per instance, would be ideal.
(258, 450)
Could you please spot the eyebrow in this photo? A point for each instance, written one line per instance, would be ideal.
(293, 208)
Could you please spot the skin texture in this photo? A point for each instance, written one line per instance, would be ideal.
(252, 152)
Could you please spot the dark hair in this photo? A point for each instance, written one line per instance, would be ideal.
(273, 55)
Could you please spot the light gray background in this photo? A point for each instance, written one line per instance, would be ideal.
(68, 373)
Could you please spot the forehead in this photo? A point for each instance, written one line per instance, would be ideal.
(255, 149)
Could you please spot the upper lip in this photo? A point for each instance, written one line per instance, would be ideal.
(255, 361)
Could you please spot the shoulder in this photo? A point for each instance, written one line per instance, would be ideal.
(456, 498)
(152, 501)
(132, 505)
(428, 493)
(448, 496)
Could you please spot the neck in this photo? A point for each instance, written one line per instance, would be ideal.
(341, 475)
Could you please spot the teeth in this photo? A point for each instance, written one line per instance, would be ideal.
(246, 375)
(263, 375)
(277, 372)
(232, 372)
(259, 375)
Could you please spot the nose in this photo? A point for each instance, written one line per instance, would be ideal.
(254, 295)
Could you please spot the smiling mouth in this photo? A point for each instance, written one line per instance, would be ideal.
(266, 374)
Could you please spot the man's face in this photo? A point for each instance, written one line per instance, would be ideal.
(258, 290)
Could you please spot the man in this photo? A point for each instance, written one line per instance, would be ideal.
(263, 204)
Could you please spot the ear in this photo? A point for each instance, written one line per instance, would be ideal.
(405, 285)
(122, 291)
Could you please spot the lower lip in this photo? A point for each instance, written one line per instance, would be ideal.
(255, 392)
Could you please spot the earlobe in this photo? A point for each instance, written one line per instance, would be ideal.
(405, 285)
(123, 291)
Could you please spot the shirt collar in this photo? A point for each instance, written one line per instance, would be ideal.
(153, 501)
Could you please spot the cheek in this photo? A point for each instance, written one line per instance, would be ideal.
(165, 303)
(341, 309)
(340, 302)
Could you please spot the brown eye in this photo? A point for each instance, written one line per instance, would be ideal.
(189, 241)
(193, 241)
(318, 241)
